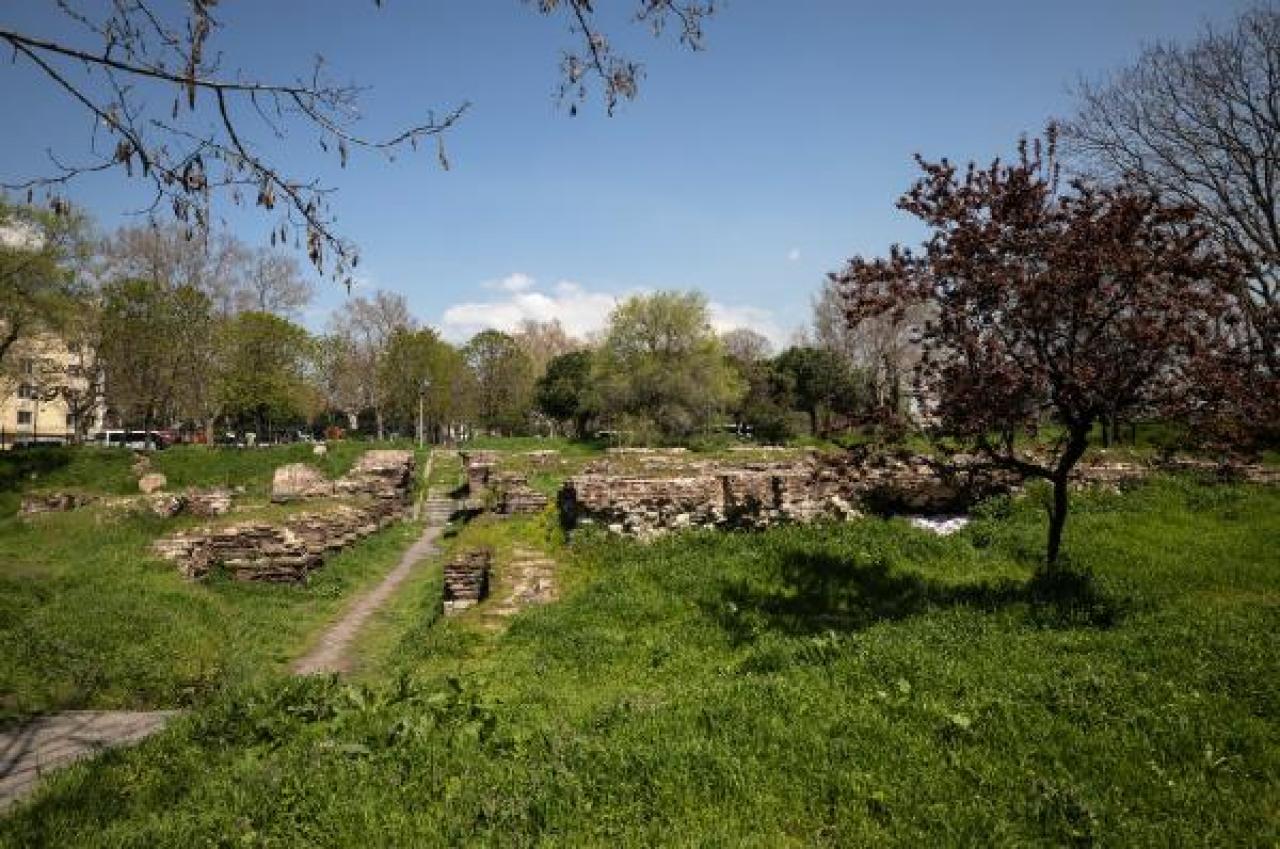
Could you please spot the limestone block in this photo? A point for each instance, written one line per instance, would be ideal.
(298, 480)
(152, 482)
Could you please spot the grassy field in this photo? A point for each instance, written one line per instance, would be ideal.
(89, 619)
(106, 471)
(857, 684)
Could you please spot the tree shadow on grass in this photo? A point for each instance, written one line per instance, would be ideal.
(820, 592)
(19, 465)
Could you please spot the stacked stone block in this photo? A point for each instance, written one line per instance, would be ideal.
(466, 579)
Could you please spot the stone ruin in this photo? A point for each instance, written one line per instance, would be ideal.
(466, 579)
(515, 497)
(383, 474)
(481, 469)
(54, 502)
(756, 495)
(381, 483)
(276, 552)
(204, 503)
(759, 494)
(507, 494)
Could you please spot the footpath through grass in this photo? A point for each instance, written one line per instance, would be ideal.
(851, 685)
(90, 619)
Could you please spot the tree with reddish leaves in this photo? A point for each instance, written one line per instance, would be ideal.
(1049, 302)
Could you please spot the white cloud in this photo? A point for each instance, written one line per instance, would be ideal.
(517, 282)
(794, 254)
(581, 311)
(725, 318)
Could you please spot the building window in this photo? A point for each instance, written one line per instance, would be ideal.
(27, 365)
(27, 392)
(24, 417)
(73, 347)
(71, 420)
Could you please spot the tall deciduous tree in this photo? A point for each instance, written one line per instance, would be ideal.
(564, 393)
(40, 256)
(881, 349)
(368, 325)
(503, 375)
(143, 346)
(1064, 302)
(543, 341)
(263, 378)
(661, 361)
(820, 381)
(1200, 124)
(420, 366)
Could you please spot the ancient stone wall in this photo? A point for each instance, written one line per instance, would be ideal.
(466, 579)
(269, 551)
(386, 474)
(753, 495)
(381, 482)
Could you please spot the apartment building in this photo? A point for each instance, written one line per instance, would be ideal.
(47, 393)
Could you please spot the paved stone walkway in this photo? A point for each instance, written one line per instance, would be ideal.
(530, 578)
(30, 751)
(330, 653)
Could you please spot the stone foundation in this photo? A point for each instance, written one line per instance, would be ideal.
(278, 552)
(516, 498)
(466, 580)
(481, 470)
(54, 502)
(755, 495)
(382, 481)
(385, 474)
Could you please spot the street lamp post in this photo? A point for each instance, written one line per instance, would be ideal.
(422, 397)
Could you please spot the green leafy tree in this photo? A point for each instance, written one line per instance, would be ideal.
(263, 378)
(822, 382)
(40, 252)
(564, 394)
(661, 361)
(419, 365)
(503, 375)
(147, 332)
(766, 405)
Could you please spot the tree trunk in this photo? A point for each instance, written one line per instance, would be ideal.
(377, 417)
(1076, 445)
(813, 421)
(1057, 520)
(1106, 433)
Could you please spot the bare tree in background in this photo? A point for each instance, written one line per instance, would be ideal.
(162, 109)
(746, 345)
(273, 282)
(884, 348)
(232, 275)
(543, 341)
(164, 254)
(1201, 125)
(368, 325)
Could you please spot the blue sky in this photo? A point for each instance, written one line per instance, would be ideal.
(747, 170)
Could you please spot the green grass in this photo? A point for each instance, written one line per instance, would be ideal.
(107, 471)
(88, 619)
(570, 447)
(848, 685)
